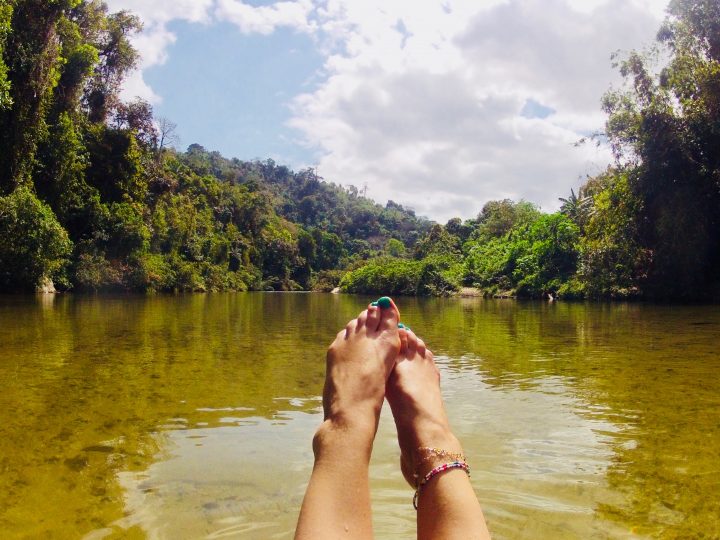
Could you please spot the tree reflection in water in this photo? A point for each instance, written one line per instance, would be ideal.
(193, 415)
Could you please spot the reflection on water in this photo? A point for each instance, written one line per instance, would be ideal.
(191, 416)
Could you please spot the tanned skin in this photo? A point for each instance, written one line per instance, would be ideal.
(369, 360)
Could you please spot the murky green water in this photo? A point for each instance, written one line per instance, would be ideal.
(192, 416)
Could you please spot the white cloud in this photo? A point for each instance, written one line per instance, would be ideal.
(164, 11)
(154, 40)
(266, 19)
(422, 100)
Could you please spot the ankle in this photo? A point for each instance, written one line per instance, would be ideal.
(343, 438)
(437, 437)
(432, 433)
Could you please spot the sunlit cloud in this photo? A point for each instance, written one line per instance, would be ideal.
(266, 19)
(425, 102)
(439, 105)
(154, 40)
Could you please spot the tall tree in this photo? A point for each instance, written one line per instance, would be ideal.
(32, 54)
(577, 207)
(6, 10)
(665, 130)
(117, 59)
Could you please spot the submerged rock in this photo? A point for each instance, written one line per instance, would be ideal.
(470, 292)
(46, 286)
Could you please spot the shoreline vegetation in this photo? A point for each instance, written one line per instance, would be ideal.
(93, 197)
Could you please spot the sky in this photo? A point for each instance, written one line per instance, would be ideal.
(439, 105)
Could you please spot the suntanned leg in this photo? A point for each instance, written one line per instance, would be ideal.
(337, 501)
(447, 507)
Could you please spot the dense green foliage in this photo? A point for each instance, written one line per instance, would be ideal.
(33, 244)
(6, 10)
(665, 130)
(431, 276)
(532, 258)
(511, 248)
(93, 198)
(650, 225)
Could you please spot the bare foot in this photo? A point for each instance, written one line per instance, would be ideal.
(413, 391)
(359, 362)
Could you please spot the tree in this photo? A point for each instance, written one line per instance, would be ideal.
(547, 256)
(33, 245)
(31, 55)
(137, 117)
(499, 217)
(6, 11)
(139, 214)
(665, 131)
(437, 242)
(117, 58)
(612, 262)
(461, 230)
(60, 177)
(577, 207)
(167, 133)
(330, 250)
(532, 258)
(395, 248)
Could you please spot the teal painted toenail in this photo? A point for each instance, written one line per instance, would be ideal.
(408, 329)
(374, 304)
(384, 302)
(401, 325)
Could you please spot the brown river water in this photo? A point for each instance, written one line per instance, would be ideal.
(176, 417)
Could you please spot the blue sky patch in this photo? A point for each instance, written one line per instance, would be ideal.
(535, 109)
(230, 92)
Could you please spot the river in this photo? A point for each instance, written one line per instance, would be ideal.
(192, 416)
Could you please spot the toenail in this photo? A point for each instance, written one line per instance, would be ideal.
(374, 304)
(401, 325)
(384, 302)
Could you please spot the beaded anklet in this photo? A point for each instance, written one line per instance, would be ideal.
(437, 470)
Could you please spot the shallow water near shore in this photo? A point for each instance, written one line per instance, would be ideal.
(192, 416)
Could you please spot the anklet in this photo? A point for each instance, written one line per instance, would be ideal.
(438, 452)
(437, 470)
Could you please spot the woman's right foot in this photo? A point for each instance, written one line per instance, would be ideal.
(413, 391)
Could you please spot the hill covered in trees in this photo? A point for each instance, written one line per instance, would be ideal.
(92, 197)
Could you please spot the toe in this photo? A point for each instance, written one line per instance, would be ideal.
(421, 348)
(350, 327)
(412, 343)
(361, 320)
(373, 318)
(389, 318)
(403, 334)
(397, 309)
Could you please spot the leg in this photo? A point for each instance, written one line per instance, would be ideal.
(447, 505)
(337, 501)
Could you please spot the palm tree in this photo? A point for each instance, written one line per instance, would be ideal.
(578, 208)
